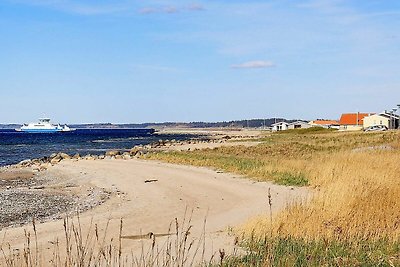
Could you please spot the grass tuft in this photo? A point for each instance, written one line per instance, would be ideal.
(290, 179)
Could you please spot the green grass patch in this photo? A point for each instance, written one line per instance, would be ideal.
(252, 167)
(299, 252)
(311, 130)
(290, 179)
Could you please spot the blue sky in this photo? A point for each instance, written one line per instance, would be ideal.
(127, 61)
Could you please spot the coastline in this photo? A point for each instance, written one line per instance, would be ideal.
(147, 195)
(29, 179)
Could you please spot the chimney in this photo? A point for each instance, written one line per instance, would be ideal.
(358, 113)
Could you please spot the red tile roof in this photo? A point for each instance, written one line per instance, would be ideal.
(351, 118)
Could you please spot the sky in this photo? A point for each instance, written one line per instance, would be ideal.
(132, 61)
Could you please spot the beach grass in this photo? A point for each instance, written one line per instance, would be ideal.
(87, 245)
(299, 252)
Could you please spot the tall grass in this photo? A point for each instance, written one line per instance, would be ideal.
(287, 251)
(88, 246)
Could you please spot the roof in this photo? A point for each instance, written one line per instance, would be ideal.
(298, 122)
(281, 122)
(351, 118)
(388, 115)
(325, 122)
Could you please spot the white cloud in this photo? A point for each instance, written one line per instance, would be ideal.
(171, 9)
(195, 7)
(87, 7)
(257, 64)
(80, 8)
(148, 10)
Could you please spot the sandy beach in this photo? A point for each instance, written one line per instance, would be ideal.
(149, 195)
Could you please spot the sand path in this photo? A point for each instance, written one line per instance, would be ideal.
(225, 200)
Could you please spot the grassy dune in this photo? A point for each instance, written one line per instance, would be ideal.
(354, 215)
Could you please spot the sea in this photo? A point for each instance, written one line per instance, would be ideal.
(17, 146)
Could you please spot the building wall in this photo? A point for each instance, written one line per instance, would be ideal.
(280, 127)
(299, 126)
(376, 120)
(350, 127)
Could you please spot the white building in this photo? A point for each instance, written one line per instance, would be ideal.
(299, 125)
(328, 124)
(391, 121)
(280, 126)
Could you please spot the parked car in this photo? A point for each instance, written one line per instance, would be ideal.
(376, 128)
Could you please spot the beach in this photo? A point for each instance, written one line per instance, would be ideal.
(148, 196)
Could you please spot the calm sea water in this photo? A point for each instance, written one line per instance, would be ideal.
(18, 146)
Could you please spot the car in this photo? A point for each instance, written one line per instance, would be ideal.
(376, 128)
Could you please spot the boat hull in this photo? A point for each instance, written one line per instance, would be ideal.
(39, 131)
(43, 130)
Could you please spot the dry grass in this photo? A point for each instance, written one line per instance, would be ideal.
(357, 196)
(355, 177)
(353, 218)
(89, 246)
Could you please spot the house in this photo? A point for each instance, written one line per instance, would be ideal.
(329, 124)
(352, 121)
(391, 121)
(298, 125)
(280, 126)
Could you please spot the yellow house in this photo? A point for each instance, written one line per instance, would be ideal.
(391, 121)
(352, 121)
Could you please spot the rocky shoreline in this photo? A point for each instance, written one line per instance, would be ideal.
(41, 164)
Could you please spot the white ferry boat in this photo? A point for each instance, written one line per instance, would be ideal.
(43, 126)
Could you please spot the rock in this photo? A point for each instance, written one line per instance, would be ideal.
(138, 153)
(102, 157)
(25, 163)
(64, 156)
(53, 155)
(55, 160)
(126, 157)
(134, 150)
(118, 157)
(77, 156)
(36, 161)
(113, 153)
